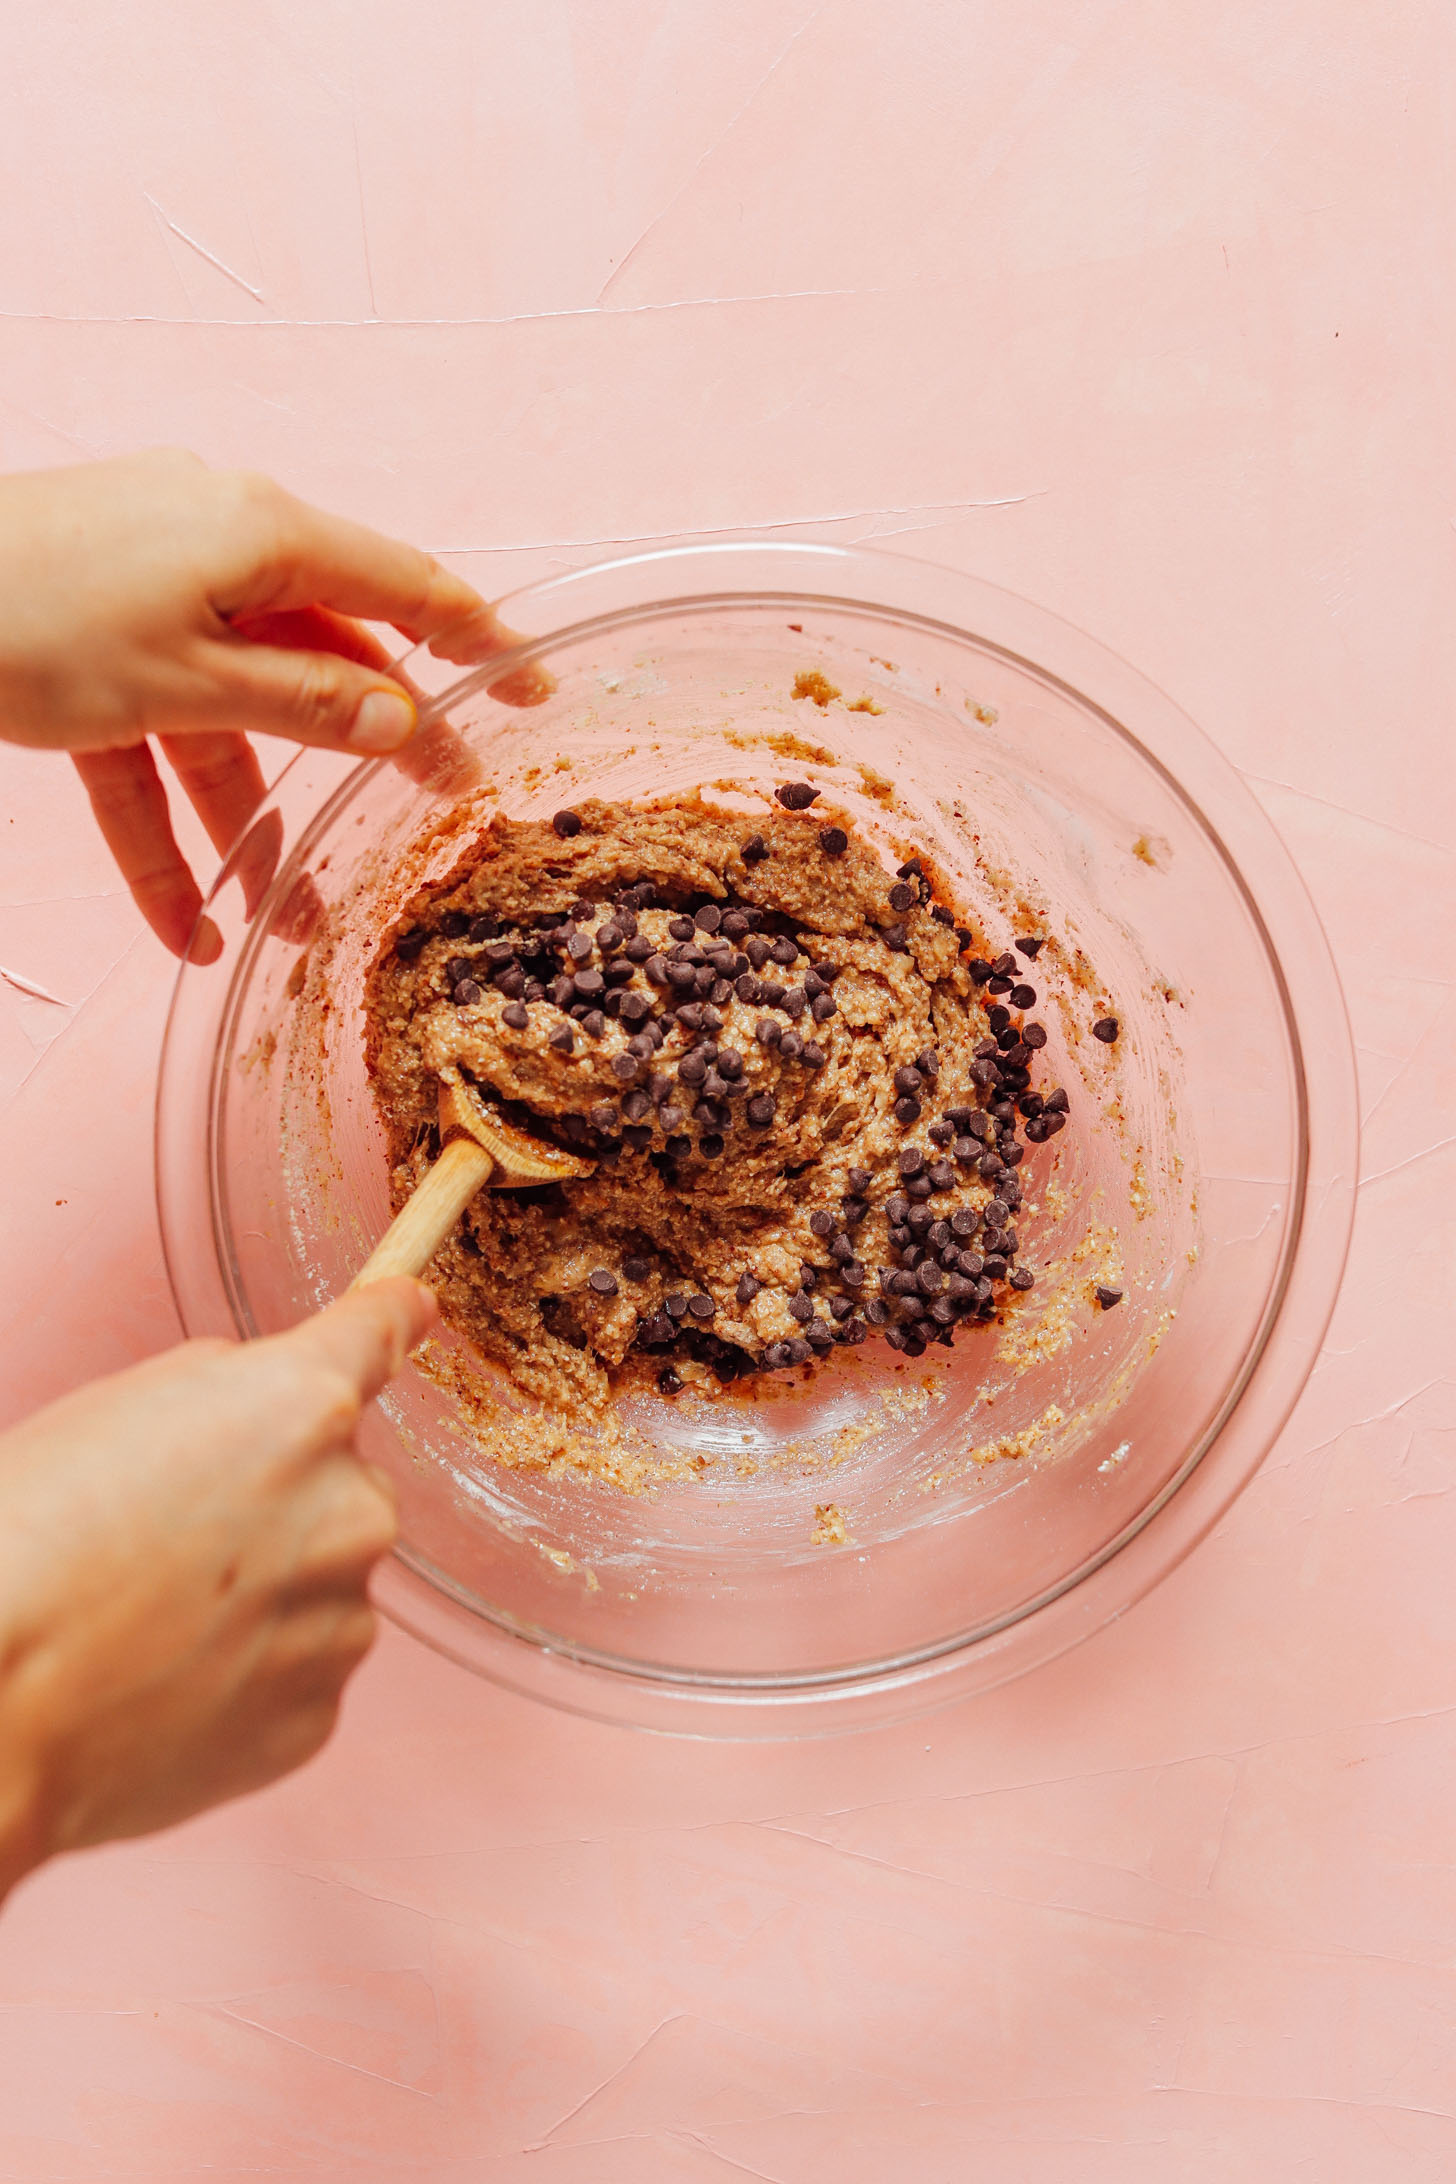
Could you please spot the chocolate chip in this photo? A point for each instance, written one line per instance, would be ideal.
(902, 897)
(566, 823)
(896, 1338)
(812, 1055)
(754, 850)
(1022, 1278)
(941, 1133)
(910, 1161)
(517, 1015)
(942, 1175)
(602, 1281)
(466, 993)
(1052, 1120)
(408, 945)
(748, 1287)
(1023, 997)
(1030, 943)
(808, 1275)
(1036, 1129)
(588, 984)
(692, 1068)
(941, 915)
(669, 1380)
(681, 928)
(710, 1145)
(1106, 1029)
(833, 841)
(895, 938)
(906, 1111)
(853, 1210)
(593, 1023)
(563, 1038)
(636, 1105)
(979, 969)
(602, 1115)
(822, 1222)
(919, 1187)
(896, 1207)
(822, 1007)
(990, 1165)
(708, 919)
(1106, 1297)
(455, 925)
(767, 1032)
(757, 950)
(791, 1046)
(735, 924)
(635, 1008)
(970, 1263)
(747, 989)
(796, 795)
(625, 1068)
(859, 1181)
(912, 869)
(801, 1307)
(1057, 1102)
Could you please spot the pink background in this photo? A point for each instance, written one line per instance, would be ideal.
(1143, 309)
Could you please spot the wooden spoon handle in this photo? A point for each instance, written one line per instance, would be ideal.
(418, 1229)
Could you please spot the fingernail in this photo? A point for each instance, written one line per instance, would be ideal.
(206, 944)
(382, 723)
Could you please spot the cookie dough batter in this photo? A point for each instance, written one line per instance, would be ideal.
(802, 1087)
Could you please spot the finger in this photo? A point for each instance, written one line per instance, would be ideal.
(304, 557)
(368, 1335)
(224, 784)
(317, 698)
(316, 569)
(314, 629)
(130, 804)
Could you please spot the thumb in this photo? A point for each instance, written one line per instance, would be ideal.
(310, 697)
(369, 1333)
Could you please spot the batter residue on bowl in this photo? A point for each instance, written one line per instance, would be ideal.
(802, 1087)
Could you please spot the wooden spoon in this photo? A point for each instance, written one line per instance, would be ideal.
(478, 1151)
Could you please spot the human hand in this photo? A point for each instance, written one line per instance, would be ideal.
(150, 596)
(184, 1551)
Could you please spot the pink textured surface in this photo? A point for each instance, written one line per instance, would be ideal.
(1145, 310)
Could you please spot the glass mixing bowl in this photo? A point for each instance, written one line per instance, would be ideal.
(996, 1501)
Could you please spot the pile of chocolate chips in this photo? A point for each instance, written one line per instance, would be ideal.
(936, 1272)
